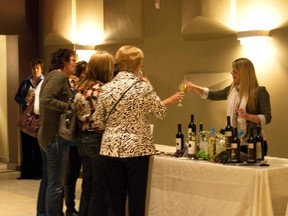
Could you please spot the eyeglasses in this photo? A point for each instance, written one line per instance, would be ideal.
(71, 59)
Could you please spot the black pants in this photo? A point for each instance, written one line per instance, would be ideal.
(127, 177)
(31, 164)
(74, 166)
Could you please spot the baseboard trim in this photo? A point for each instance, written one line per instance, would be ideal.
(3, 160)
(14, 167)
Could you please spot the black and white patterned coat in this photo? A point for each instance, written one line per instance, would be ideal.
(127, 130)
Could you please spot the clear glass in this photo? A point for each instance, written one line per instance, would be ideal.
(183, 87)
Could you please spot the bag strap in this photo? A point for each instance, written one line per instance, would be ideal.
(70, 100)
(121, 98)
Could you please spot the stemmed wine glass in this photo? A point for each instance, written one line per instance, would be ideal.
(183, 87)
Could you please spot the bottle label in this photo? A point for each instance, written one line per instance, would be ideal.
(228, 133)
(250, 145)
(193, 137)
(251, 153)
(178, 143)
(189, 131)
(259, 150)
(234, 145)
(191, 147)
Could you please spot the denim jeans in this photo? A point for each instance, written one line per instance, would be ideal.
(51, 192)
(94, 198)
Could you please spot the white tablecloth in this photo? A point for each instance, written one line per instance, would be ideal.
(178, 186)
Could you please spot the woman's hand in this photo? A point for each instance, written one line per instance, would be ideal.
(30, 96)
(241, 113)
(190, 86)
(175, 98)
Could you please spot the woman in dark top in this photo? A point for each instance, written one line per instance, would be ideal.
(54, 95)
(248, 104)
(31, 164)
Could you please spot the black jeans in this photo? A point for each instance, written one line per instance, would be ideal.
(94, 198)
(74, 167)
(127, 176)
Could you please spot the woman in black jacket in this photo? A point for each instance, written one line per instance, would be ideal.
(31, 163)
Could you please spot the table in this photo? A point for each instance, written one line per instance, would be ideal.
(178, 186)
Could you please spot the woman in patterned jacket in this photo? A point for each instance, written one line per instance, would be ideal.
(127, 141)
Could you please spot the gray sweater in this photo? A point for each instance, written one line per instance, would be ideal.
(54, 94)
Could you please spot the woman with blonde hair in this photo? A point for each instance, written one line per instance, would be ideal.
(248, 104)
(94, 199)
(124, 108)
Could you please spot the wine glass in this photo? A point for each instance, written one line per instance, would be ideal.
(183, 87)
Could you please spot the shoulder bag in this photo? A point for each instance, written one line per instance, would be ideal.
(28, 121)
(68, 122)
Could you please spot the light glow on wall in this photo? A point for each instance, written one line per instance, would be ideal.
(89, 33)
(87, 22)
(84, 54)
(259, 53)
(259, 14)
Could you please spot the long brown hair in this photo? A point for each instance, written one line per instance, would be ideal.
(248, 81)
(100, 69)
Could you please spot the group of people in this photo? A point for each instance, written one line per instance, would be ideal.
(114, 103)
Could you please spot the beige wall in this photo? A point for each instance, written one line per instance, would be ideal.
(169, 56)
(3, 101)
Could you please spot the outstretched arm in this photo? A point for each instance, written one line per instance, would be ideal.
(192, 87)
(174, 98)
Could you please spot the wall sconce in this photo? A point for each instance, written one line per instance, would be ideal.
(253, 37)
(84, 52)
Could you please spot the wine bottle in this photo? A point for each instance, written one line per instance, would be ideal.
(259, 144)
(179, 139)
(212, 144)
(201, 127)
(192, 148)
(251, 147)
(228, 129)
(191, 126)
(235, 147)
(228, 135)
(199, 137)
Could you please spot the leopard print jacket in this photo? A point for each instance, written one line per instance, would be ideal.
(127, 129)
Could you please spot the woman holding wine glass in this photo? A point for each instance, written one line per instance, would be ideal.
(248, 104)
(127, 141)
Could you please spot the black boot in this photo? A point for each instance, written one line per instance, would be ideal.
(71, 212)
(69, 193)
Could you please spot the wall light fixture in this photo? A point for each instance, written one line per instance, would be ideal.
(253, 37)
